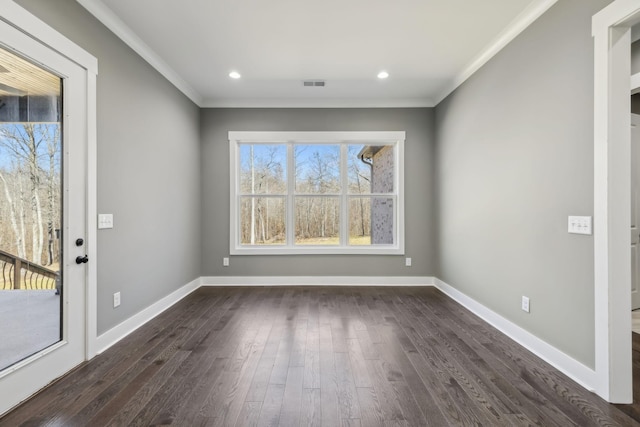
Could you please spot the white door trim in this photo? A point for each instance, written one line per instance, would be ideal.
(611, 29)
(27, 23)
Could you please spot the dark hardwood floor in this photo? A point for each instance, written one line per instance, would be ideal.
(331, 356)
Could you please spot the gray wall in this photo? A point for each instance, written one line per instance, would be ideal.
(419, 197)
(148, 170)
(515, 158)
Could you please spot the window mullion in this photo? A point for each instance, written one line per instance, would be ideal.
(291, 179)
(344, 200)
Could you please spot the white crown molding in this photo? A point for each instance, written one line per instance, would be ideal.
(129, 37)
(105, 15)
(518, 25)
(318, 103)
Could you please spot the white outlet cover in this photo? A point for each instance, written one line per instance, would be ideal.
(105, 221)
(407, 262)
(580, 225)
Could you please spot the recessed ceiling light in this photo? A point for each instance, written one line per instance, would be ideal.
(234, 75)
(383, 75)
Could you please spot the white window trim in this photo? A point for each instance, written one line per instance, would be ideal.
(395, 138)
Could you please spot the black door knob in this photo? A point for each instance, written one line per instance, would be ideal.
(79, 242)
(82, 259)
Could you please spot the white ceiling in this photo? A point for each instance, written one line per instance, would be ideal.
(428, 46)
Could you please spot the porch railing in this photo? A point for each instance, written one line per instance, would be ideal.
(18, 273)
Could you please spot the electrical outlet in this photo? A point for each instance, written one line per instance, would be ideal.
(407, 262)
(225, 262)
(525, 304)
(116, 299)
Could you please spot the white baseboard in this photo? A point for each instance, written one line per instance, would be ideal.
(123, 329)
(574, 369)
(317, 281)
(569, 366)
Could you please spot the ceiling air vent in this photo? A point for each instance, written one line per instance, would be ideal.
(313, 83)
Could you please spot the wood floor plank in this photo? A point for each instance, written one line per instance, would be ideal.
(260, 380)
(249, 414)
(312, 359)
(298, 352)
(370, 407)
(310, 413)
(389, 402)
(346, 387)
(270, 411)
(312, 356)
(328, 386)
(292, 400)
(358, 366)
(236, 391)
(281, 361)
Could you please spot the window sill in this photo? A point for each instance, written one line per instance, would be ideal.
(317, 250)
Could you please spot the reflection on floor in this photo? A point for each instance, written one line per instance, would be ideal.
(30, 322)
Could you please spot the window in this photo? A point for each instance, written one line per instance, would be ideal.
(317, 192)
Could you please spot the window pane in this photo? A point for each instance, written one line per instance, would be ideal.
(317, 168)
(31, 209)
(359, 170)
(360, 221)
(317, 220)
(370, 168)
(382, 221)
(263, 169)
(262, 221)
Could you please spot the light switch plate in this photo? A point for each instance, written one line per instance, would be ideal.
(580, 225)
(105, 221)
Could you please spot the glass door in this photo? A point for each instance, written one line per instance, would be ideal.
(43, 182)
(31, 273)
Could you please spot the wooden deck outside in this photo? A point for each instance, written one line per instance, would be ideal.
(19, 273)
(30, 322)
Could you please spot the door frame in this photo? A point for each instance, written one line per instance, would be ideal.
(611, 30)
(25, 22)
(635, 174)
